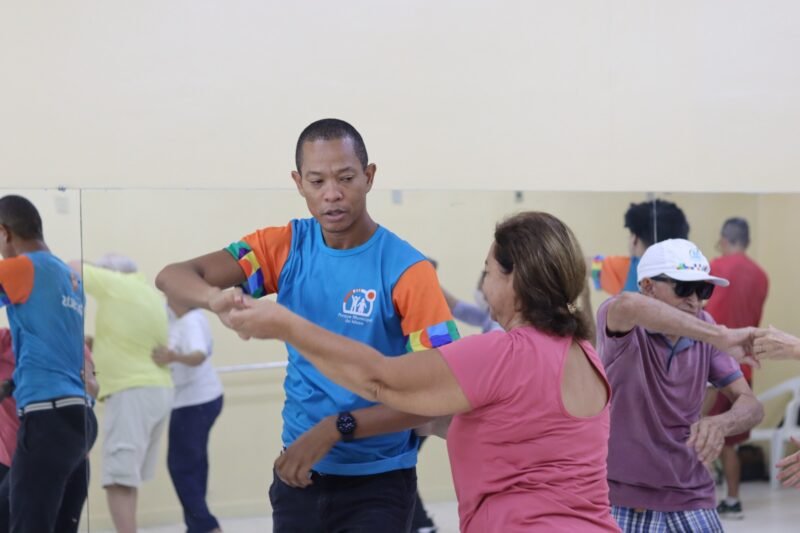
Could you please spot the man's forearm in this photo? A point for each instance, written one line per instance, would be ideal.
(630, 310)
(183, 284)
(745, 413)
(377, 420)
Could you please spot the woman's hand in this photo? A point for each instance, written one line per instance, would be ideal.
(775, 344)
(260, 319)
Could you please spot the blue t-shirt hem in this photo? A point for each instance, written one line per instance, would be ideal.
(406, 460)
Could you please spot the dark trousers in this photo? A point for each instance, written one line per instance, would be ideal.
(346, 504)
(187, 460)
(48, 481)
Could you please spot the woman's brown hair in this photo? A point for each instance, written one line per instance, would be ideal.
(549, 271)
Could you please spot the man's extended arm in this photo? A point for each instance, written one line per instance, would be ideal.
(629, 310)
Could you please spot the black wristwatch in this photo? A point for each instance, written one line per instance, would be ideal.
(346, 424)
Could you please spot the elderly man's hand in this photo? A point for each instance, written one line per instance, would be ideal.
(707, 438)
(738, 343)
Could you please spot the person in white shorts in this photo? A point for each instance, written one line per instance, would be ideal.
(131, 322)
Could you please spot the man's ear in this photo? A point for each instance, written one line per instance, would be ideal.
(646, 287)
(298, 181)
(370, 173)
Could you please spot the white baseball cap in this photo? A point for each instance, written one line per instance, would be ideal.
(678, 259)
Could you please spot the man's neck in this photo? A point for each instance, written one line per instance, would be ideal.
(25, 247)
(734, 250)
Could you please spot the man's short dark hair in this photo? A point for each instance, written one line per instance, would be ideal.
(656, 221)
(329, 129)
(736, 231)
(21, 218)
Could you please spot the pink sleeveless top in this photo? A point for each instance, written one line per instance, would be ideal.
(520, 461)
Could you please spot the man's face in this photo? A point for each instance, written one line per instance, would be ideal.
(334, 183)
(664, 291)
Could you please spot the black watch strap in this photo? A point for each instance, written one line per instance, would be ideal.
(346, 424)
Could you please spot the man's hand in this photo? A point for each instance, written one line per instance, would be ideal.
(706, 436)
(790, 468)
(738, 343)
(222, 303)
(775, 344)
(162, 356)
(293, 466)
(260, 319)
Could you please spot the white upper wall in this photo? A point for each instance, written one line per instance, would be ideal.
(562, 95)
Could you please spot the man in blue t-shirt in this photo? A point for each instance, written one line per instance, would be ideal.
(44, 300)
(348, 464)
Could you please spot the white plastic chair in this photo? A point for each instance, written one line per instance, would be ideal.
(778, 437)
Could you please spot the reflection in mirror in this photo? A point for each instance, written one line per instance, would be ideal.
(47, 385)
(454, 228)
(123, 231)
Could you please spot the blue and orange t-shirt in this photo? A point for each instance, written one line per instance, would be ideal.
(615, 273)
(45, 303)
(382, 293)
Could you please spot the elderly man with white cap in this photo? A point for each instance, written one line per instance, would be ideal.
(131, 322)
(660, 349)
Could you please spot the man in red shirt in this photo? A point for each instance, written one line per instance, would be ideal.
(736, 306)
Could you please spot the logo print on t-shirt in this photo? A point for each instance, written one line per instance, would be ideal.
(359, 303)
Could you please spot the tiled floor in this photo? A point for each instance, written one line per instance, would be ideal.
(766, 511)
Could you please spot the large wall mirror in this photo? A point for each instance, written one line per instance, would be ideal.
(157, 227)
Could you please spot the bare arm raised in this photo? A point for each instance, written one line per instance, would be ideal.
(630, 310)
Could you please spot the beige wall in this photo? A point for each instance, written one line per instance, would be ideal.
(459, 96)
(515, 94)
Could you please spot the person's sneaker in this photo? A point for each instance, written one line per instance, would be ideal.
(733, 512)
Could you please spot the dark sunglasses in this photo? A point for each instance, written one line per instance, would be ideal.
(684, 289)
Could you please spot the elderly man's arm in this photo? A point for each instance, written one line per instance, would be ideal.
(631, 309)
(707, 435)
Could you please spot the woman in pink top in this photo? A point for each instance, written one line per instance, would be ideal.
(529, 439)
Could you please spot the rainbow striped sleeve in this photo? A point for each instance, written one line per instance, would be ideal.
(597, 267)
(433, 336)
(244, 254)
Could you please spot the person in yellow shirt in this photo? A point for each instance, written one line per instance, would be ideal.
(131, 322)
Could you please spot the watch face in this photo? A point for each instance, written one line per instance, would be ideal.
(346, 424)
